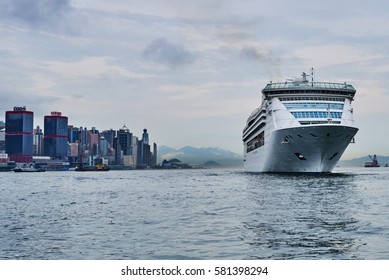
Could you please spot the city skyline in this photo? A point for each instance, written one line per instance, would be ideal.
(63, 145)
(56, 114)
(191, 72)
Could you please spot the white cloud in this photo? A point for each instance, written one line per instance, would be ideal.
(90, 67)
(333, 54)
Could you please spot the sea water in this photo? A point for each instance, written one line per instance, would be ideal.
(194, 214)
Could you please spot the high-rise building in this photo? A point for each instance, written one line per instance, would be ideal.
(145, 137)
(19, 134)
(38, 142)
(155, 155)
(72, 134)
(125, 139)
(2, 139)
(118, 151)
(84, 139)
(103, 146)
(109, 135)
(135, 148)
(144, 152)
(94, 142)
(73, 150)
(55, 135)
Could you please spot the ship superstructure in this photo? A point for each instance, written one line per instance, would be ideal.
(301, 126)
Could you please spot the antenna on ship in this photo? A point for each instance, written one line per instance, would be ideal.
(312, 72)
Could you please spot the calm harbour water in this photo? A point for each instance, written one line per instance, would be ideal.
(194, 214)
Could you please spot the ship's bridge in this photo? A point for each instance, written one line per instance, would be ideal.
(309, 88)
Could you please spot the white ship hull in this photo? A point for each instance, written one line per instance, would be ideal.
(311, 149)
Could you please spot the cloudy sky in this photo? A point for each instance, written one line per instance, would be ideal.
(190, 71)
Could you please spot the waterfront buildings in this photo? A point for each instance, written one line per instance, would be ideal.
(56, 135)
(19, 134)
(60, 142)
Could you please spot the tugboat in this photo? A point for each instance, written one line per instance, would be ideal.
(97, 167)
(373, 163)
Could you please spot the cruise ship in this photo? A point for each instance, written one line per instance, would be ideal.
(301, 126)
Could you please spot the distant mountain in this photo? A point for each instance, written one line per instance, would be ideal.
(165, 150)
(361, 161)
(193, 155)
(212, 164)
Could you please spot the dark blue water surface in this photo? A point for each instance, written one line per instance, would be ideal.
(194, 214)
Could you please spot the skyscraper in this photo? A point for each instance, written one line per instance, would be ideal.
(118, 151)
(19, 134)
(2, 137)
(72, 134)
(125, 139)
(109, 135)
(38, 142)
(155, 155)
(94, 141)
(145, 137)
(56, 135)
(144, 153)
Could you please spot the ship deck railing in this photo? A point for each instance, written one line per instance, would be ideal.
(309, 85)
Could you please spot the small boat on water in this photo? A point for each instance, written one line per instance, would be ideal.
(97, 167)
(28, 168)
